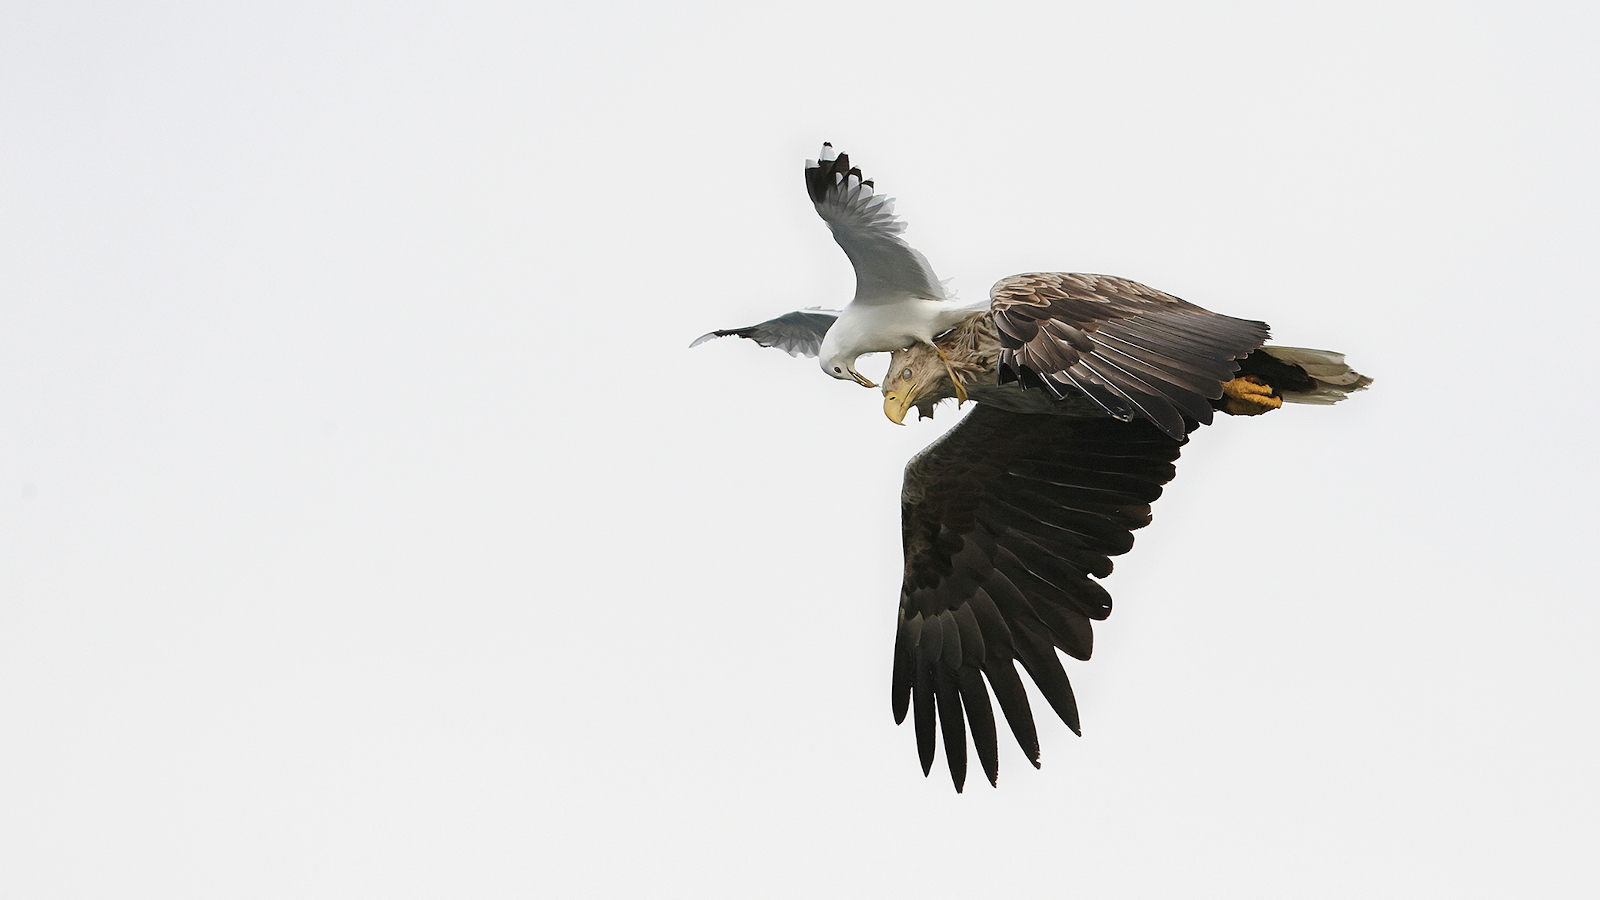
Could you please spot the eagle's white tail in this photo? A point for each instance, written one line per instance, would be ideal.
(1334, 378)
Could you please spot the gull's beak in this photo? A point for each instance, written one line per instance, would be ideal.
(897, 403)
(861, 379)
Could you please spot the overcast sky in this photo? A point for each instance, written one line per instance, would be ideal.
(367, 529)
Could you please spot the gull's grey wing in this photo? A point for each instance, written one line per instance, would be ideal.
(1004, 521)
(1134, 350)
(864, 224)
(798, 333)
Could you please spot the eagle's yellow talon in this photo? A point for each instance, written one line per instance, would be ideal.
(1248, 396)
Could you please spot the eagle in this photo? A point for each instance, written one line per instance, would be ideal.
(1085, 389)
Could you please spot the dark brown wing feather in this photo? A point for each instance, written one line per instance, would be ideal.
(1006, 520)
(1134, 350)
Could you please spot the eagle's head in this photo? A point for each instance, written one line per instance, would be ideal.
(917, 377)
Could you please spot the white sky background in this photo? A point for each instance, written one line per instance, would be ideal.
(366, 528)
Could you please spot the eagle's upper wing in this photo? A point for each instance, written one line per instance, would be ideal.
(864, 224)
(798, 333)
(1134, 350)
(1005, 518)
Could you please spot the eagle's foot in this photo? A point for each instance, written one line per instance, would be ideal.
(1249, 396)
(961, 391)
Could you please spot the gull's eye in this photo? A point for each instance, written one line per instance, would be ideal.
(906, 374)
(837, 369)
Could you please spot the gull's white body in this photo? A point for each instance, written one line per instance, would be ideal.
(884, 327)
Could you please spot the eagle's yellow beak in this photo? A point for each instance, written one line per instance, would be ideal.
(897, 403)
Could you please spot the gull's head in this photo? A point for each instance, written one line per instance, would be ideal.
(917, 377)
(843, 367)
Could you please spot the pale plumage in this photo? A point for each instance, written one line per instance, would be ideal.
(898, 300)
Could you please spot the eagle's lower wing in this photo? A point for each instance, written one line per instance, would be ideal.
(1136, 351)
(864, 224)
(798, 333)
(1005, 519)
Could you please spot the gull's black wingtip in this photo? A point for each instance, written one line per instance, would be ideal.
(820, 172)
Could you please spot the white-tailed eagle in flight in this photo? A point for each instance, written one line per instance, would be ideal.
(1086, 387)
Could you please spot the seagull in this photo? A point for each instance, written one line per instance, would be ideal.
(898, 301)
(1085, 389)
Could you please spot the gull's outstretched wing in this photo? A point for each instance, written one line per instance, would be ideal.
(1134, 350)
(864, 224)
(1005, 519)
(798, 333)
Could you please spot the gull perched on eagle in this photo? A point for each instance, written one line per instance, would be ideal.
(1086, 387)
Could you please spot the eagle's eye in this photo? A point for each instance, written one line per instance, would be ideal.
(906, 374)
